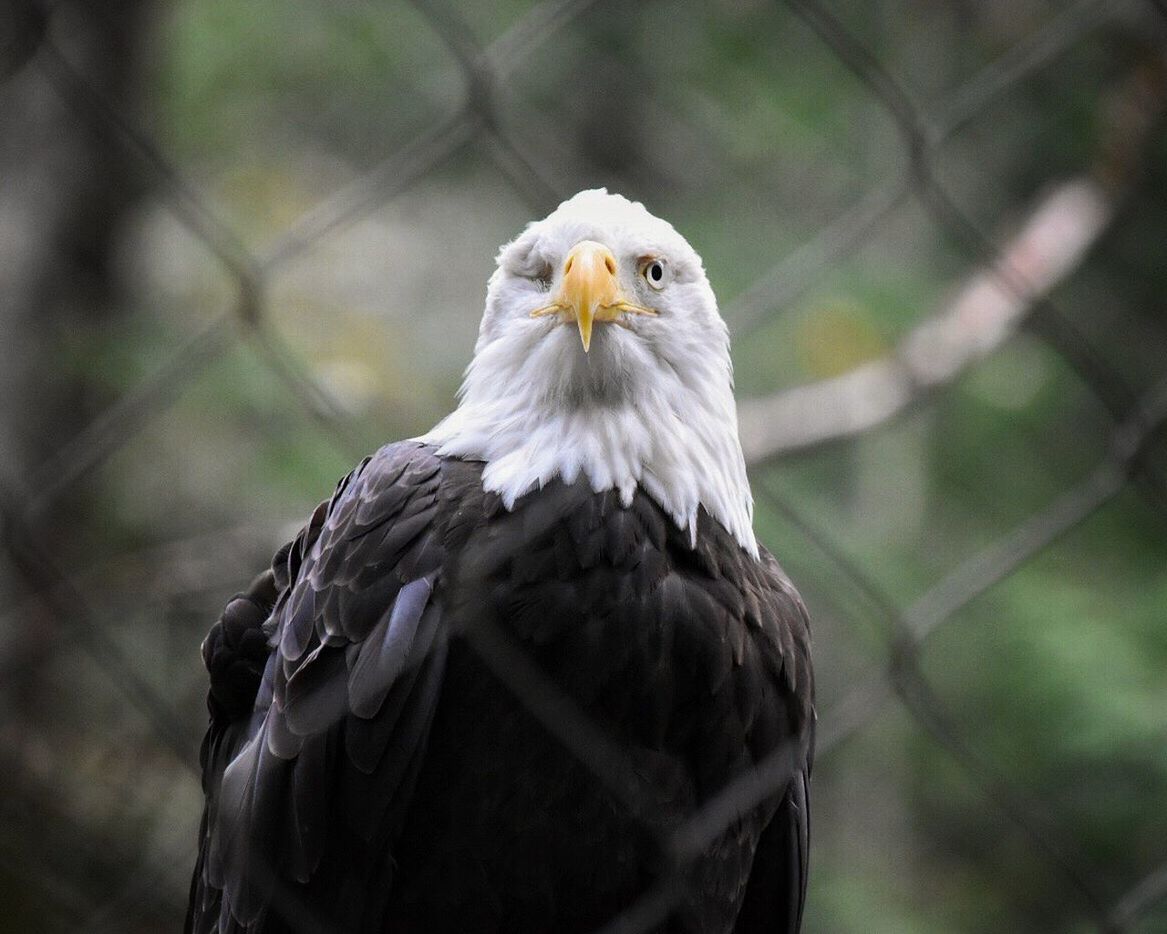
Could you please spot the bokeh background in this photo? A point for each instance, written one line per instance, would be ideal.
(242, 244)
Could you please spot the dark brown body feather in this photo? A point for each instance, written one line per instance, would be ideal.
(388, 779)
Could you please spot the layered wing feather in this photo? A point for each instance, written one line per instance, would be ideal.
(742, 633)
(307, 788)
(776, 891)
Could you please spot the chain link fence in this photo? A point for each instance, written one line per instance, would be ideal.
(92, 882)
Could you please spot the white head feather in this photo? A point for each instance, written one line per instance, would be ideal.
(650, 405)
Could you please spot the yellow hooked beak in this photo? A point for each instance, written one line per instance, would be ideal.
(590, 291)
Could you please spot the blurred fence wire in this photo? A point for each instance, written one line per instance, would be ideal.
(1008, 291)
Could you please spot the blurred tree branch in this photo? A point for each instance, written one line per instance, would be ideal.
(985, 310)
(64, 193)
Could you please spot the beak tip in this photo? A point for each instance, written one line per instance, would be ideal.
(585, 331)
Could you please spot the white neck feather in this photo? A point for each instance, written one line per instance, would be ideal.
(678, 443)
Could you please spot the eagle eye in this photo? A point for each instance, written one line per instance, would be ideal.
(541, 275)
(654, 272)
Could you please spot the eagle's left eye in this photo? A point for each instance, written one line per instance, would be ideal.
(655, 273)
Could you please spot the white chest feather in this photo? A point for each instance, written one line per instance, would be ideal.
(680, 448)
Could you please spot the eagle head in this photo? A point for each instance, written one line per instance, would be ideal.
(602, 355)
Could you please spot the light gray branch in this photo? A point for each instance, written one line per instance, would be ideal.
(982, 315)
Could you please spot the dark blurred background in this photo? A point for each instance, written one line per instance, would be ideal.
(242, 244)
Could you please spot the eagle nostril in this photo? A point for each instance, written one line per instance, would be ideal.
(611, 264)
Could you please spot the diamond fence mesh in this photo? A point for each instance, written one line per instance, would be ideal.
(102, 800)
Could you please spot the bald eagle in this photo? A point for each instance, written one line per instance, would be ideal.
(498, 671)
